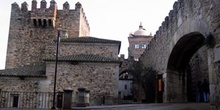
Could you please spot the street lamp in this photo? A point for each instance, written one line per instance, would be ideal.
(64, 34)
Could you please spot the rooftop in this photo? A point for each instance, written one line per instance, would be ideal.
(141, 31)
(85, 58)
(89, 39)
(27, 71)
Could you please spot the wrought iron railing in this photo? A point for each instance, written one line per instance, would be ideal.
(15, 99)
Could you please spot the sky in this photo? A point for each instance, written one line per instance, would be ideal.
(108, 19)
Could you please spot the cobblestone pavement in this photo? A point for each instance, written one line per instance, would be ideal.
(179, 106)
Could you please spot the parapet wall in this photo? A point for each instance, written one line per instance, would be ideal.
(46, 14)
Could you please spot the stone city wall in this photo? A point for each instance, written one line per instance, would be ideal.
(187, 16)
(174, 27)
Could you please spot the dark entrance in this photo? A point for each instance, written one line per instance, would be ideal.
(160, 87)
(188, 70)
(190, 94)
(15, 101)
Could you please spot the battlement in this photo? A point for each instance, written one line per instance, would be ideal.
(172, 21)
(47, 16)
(183, 12)
(44, 16)
(43, 6)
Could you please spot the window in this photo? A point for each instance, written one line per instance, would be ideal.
(125, 87)
(136, 46)
(44, 23)
(35, 22)
(136, 59)
(49, 22)
(144, 46)
(39, 21)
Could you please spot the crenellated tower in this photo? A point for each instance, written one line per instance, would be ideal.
(43, 17)
(32, 32)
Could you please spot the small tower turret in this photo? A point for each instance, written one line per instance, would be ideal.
(43, 5)
(138, 42)
(34, 5)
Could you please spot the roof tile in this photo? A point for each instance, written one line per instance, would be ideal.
(88, 39)
(27, 71)
(86, 58)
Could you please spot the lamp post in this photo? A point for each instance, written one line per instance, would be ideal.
(55, 75)
(59, 34)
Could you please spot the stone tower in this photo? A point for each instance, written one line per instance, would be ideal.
(32, 32)
(138, 42)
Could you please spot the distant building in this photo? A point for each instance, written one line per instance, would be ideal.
(138, 42)
(125, 83)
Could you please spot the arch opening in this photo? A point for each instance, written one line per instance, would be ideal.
(183, 51)
(184, 68)
(125, 85)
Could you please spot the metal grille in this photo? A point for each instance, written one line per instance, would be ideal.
(13, 99)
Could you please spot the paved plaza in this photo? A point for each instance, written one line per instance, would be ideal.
(173, 106)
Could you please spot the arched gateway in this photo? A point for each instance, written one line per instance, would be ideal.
(190, 32)
(181, 86)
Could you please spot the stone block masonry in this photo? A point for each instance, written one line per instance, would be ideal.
(100, 79)
(32, 31)
(84, 61)
(184, 34)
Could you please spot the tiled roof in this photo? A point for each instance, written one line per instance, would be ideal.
(88, 39)
(85, 58)
(25, 71)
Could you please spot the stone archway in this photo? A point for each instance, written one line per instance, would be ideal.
(178, 69)
(125, 84)
(189, 18)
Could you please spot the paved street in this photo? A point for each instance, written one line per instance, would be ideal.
(176, 106)
(188, 106)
